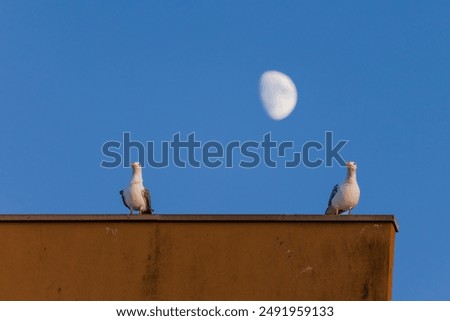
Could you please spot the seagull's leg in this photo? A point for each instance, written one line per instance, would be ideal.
(350, 211)
(337, 211)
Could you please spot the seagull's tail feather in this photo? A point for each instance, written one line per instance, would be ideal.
(148, 211)
(330, 210)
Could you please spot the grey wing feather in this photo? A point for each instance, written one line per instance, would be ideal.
(123, 200)
(333, 192)
(330, 209)
(148, 200)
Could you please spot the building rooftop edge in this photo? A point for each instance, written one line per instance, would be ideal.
(201, 217)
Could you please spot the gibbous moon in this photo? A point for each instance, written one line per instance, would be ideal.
(278, 94)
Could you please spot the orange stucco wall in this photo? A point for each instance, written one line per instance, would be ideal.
(193, 257)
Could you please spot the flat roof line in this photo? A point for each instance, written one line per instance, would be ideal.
(199, 218)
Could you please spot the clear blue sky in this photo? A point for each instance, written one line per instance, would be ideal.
(76, 74)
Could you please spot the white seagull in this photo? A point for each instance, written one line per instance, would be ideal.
(344, 196)
(136, 197)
